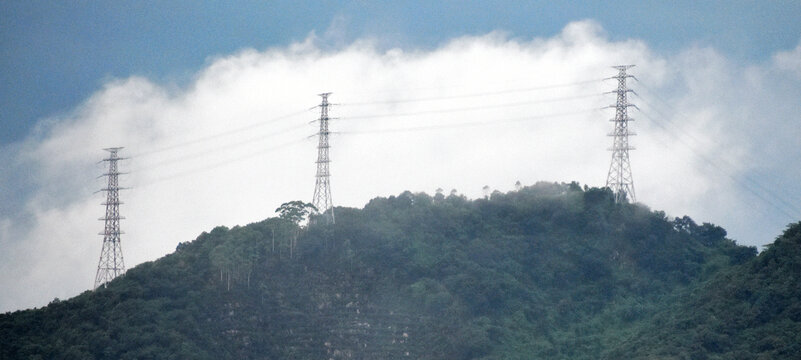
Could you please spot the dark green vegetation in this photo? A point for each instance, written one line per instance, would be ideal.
(552, 271)
(751, 311)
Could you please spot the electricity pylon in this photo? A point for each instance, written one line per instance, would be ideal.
(322, 189)
(111, 263)
(619, 178)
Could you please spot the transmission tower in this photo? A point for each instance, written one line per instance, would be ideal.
(111, 263)
(322, 189)
(619, 178)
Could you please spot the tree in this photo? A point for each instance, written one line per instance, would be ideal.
(295, 211)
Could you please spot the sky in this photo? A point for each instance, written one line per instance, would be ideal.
(213, 105)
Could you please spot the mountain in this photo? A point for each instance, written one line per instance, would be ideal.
(551, 271)
(749, 311)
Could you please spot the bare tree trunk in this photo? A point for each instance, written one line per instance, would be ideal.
(294, 241)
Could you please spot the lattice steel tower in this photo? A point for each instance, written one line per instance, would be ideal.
(322, 189)
(111, 263)
(619, 178)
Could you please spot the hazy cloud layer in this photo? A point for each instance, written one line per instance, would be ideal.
(716, 140)
(789, 61)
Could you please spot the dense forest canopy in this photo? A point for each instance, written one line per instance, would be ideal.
(551, 271)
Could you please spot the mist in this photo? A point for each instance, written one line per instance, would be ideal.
(717, 140)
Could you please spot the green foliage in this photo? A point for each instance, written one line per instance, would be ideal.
(295, 211)
(551, 271)
(749, 311)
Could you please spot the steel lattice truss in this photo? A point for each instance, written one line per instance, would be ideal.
(111, 262)
(322, 189)
(619, 178)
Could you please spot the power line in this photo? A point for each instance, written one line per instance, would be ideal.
(667, 105)
(293, 114)
(720, 161)
(255, 139)
(465, 124)
(717, 165)
(223, 163)
(471, 108)
(218, 149)
(470, 95)
(440, 86)
(256, 125)
(751, 185)
(222, 134)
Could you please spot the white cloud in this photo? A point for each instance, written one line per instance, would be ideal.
(213, 153)
(789, 61)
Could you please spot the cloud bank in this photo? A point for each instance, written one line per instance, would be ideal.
(789, 61)
(716, 141)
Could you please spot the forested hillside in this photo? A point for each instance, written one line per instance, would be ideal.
(550, 271)
(751, 311)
